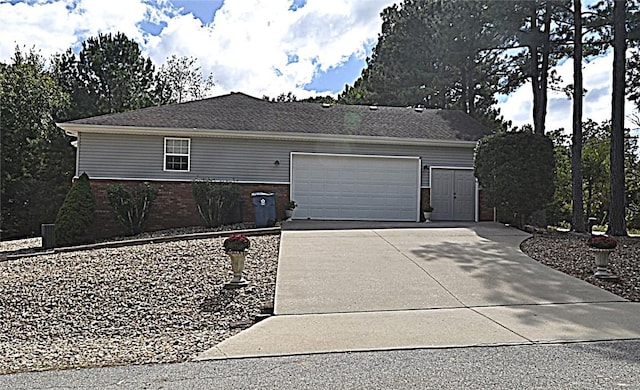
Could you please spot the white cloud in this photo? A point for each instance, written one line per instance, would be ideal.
(53, 27)
(597, 76)
(246, 48)
(48, 27)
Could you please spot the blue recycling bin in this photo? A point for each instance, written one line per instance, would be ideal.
(264, 207)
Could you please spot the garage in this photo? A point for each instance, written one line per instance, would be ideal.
(355, 187)
(453, 194)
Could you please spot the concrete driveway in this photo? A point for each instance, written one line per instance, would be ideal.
(354, 287)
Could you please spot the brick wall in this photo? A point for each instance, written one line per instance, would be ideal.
(174, 207)
(425, 199)
(486, 212)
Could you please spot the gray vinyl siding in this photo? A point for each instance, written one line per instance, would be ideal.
(111, 156)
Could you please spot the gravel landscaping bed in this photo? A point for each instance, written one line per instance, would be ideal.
(165, 302)
(16, 245)
(149, 303)
(569, 253)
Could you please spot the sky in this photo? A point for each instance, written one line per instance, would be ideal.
(261, 47)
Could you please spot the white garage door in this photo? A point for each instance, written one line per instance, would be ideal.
(453, 194)
(349, 187)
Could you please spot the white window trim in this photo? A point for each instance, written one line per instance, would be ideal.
(165, 154)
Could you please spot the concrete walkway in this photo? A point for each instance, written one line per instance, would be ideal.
(404, 286)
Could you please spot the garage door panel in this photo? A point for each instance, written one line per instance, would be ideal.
(355, 187)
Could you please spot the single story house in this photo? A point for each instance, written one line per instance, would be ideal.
(338, 162)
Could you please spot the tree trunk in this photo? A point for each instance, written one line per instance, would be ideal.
(540, 67)
(468, 87)
(535, 71)
(577, 218)
(544, 70)
(617, 225)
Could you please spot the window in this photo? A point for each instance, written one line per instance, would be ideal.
(176, 154)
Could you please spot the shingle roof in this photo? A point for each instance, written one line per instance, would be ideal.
(240, 112)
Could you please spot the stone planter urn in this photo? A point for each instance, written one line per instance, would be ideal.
(236, 247)
(602, 262)
(426, 212)
(288, 212)
(237, 266)
(601, 246)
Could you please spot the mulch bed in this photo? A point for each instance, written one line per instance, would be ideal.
(569, 253)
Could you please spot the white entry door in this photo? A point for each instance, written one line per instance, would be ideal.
(355, 187)
(453, 194)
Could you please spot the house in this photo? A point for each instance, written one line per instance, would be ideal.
(338, 162)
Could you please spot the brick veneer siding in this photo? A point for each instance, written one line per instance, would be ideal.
(425, 199)
(486, 212)
(174, 207)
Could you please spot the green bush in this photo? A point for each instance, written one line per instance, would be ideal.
(516, 172)
(633, 216)
(74, 222)
(131, 206)
(218, 202)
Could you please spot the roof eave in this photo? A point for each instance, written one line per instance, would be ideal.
(74, 129)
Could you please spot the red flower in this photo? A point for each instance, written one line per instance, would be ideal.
(236, 243)
(602, 242)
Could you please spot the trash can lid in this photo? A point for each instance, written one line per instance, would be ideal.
(262, 194)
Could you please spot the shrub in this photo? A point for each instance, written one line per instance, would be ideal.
(633, 215)
(75, 217)
(516, 172)
(218, 202)
(131, 207)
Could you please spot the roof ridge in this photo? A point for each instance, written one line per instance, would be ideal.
(238, 111)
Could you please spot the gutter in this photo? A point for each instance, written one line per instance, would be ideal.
(73, 129)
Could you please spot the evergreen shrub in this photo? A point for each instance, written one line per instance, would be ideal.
(516, 172)
(74, 222)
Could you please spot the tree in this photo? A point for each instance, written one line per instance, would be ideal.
(577, 216)
(436, 54)
(633, 62)
(516, 172)
(596, 141)
(632, 180)
(542, 28)
(37, 160)
(633, 78)
(282, 98)
(321, 99)
(617, 225)
(560, 208)
(596, 168)
(180, 80)
(108, 75)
